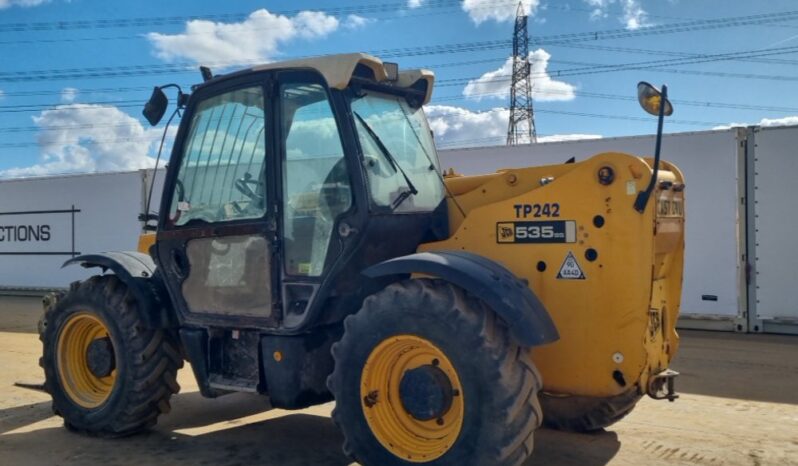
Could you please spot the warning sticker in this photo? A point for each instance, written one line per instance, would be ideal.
(570, 269)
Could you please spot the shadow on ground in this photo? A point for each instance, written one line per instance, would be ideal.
(25, 415)
(287, 439)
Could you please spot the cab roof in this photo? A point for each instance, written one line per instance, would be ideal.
(338, 70)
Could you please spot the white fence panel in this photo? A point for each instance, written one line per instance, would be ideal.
(775, 222)
(45, 221)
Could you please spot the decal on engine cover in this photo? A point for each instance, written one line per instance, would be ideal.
(670, 208)
(552, 231)
(570, 269)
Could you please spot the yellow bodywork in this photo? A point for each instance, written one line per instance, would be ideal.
(146, 241)
(616, 314)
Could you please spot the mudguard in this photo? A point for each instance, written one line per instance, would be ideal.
(138, 272)
(512, 299)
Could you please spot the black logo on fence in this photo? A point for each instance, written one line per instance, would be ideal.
(34, 233)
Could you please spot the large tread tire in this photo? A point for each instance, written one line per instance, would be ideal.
(500, 382)
(586, 414)
(147, 360)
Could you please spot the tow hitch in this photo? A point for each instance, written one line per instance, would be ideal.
(660, 386)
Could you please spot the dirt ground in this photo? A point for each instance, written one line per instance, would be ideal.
(739, 406)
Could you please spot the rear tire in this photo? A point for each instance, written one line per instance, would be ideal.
(139, 370)
(586, 414)
(495, 380)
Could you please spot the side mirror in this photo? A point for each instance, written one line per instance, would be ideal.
(155, 108)
(656, 103)
(650, 99)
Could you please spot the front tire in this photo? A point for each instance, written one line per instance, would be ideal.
(426, 374)
(108, 374)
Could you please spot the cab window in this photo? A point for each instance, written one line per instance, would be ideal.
(221, 176)
(387, 120)
(315, 178)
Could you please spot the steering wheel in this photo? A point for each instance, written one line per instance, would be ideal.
(244, 186)
(335, 191)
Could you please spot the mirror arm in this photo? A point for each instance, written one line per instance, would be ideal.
(182, 98)
(643, 196)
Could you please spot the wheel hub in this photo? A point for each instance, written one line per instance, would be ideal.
(412, 398)
(100, 357)
(426, 392)
(86, 360)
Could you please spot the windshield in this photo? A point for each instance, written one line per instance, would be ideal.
(404, 132)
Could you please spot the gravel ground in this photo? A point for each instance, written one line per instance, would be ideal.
(739, 406)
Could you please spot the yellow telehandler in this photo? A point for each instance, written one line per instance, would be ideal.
(310, 248)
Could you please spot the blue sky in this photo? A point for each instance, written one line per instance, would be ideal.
(85, 123)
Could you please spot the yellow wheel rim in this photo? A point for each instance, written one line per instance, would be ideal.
(80, 384)
(403, 435)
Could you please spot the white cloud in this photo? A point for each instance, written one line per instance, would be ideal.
(89, 138)
(2, 94)
(600, 8)
(68, 94)
(455, 126)
(497, 10)
(764, 122)
(356, 22)
(460, 127)
(23, 3)
(633, 16)
(484, 10)
(496, 84)
(256, 39)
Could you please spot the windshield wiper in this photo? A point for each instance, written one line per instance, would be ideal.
(411, 188)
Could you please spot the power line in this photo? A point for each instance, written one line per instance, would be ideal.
(116, 23)
(608, 116)
(550, 111)
(588, 68)
(137, 70)
(605, 48)
(398, 14)
(686, 26)
(602, 68)
(605, 96)
(460, 98)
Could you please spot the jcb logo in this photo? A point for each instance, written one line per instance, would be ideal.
(505, 232)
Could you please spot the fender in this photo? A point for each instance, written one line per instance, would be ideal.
(512, 299)
(139, 273)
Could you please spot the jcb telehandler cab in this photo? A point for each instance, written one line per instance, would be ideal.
(308, 248)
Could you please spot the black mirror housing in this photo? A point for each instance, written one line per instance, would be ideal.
(651, 99)
(155, 108)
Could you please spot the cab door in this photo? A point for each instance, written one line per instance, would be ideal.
(216, 240)
(316, 187)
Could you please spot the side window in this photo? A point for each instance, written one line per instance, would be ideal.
(315, 178)
(221, 175)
